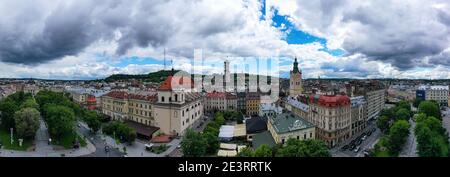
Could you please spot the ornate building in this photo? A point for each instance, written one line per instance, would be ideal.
(295, 83)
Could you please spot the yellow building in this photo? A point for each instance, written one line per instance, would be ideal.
(120, 105)
(252, 102)
(287, 125)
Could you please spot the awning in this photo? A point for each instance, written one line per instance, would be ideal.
(239, 130)
(228, 146)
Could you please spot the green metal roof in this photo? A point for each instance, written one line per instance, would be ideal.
(288, 122)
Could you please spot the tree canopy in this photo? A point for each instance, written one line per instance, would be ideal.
(27, 122)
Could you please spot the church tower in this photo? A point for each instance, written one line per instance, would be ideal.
(295, 84)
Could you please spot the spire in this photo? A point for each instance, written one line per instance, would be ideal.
(295, 70)
(173, 71)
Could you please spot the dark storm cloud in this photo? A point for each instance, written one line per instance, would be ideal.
(397, 36)
(73, 26)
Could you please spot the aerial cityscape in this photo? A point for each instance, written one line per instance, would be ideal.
(238, 78)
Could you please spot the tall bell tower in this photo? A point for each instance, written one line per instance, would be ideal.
(295, 82)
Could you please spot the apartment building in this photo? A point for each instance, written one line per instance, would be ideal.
(374, 93)
(252, 102)
(220, 101)
(331, 114)
(438, 93)
(358, 114)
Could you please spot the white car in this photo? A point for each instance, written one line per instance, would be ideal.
(364, 137)
(357, 149)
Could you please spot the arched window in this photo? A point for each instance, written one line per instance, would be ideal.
(170, 99)
(176, 97)
(162, 99)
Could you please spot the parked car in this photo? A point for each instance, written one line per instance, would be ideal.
(369, 133)
(357, 149)
(148, 147)
(364, 137)
(366, 153)
(352, 147)
(345, 147)
(359, 142)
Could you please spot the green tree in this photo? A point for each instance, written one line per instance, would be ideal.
(429, 143)
(398, 134)
(402, 114)
(432, 138)
(383, 123)
(92, 119)
(27, 122)
(430, 109)
(212, 143)
(193, 144)
(417, 102)
(8, 109)
(390, 113)
(263, 151)
(246, 152)
(60, 120)
(404, 105)
(219, 119)
(304, 148)
(30, 103)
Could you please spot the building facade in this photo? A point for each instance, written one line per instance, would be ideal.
(120, 105)
(358, 115)
(332, 117)
(220, 101)
(252, 102)
(290, 126)
(437, 93)
(177, 107)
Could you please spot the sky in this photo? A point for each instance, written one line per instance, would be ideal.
(85, 39)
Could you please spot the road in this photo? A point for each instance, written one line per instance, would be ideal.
(410, 147)
(446, 119)
(41, 138)
(365, 145)
(98, 142)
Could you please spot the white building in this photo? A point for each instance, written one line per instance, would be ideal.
(269, 109)
(438, 93)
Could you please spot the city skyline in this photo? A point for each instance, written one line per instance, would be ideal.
(81, 40)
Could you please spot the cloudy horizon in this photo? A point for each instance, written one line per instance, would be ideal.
(85, 39)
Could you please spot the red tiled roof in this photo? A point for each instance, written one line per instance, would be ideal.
(161, 139)
(330, 100)
(117, 94)
(125, 95)
(216, 95)
(178, 81)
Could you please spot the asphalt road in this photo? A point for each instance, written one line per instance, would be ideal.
(446, 119)
(365, 145)
(99, 144)
(410, 147)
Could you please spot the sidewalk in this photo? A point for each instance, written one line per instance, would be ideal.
(90, 148)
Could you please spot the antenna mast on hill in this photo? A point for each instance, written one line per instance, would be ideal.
(164, 59)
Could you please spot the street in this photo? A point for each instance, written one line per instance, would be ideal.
(98, 142)
(446, 119)
(410, 147)
(365, 145)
